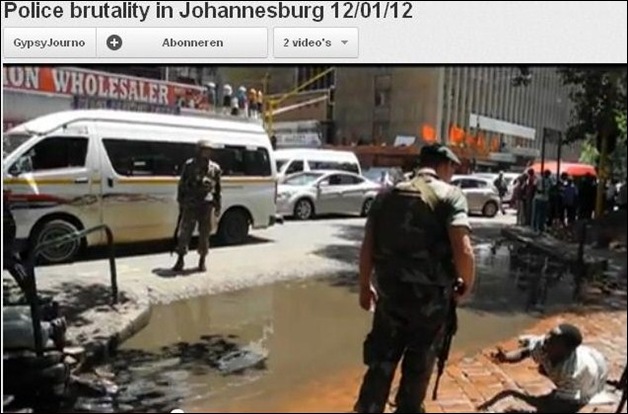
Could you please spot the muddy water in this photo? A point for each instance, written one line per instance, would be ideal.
(291, 334)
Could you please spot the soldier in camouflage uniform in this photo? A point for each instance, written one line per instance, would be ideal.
(416, 245)
(199, 198)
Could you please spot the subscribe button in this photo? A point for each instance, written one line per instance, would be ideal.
(183, 43)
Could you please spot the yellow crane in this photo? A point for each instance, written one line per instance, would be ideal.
(272, 103)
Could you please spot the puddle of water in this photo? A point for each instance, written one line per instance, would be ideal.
(250, 348)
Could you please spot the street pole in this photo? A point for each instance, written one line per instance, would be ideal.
(543, 140)
(559, 154)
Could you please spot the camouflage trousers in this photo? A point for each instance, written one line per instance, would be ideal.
(191, 215)
(398, 337)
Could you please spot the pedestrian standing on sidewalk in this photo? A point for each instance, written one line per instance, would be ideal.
(528, 195)
(502, 189)
(570, 201)
(621, 197)
(541, 200)
(518, 198)
(579, 372)
(199, 198)
(416, 246)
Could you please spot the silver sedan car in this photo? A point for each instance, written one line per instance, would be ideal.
(307, 194)
(481, 194)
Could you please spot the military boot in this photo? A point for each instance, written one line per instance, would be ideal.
(178, 266)
(201, 264)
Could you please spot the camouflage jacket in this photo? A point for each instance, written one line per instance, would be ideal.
(199, 183)
(411, 240)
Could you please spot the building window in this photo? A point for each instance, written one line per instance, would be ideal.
(382, 98)
(381, 130)
(306, 73)
(382, 86)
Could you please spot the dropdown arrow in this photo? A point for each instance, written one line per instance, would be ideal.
(344, 42)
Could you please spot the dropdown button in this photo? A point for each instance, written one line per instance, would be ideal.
(316, 42)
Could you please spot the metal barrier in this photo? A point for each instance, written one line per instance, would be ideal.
(580, 273)
(544, 269)
(32, 295)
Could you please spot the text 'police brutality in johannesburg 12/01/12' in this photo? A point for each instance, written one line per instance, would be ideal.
(141, 11)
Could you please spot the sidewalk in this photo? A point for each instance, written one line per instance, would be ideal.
(471, 381)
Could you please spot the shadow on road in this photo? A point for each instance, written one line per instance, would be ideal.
(75, 299)
(326, 217)
(497, 289)
(168, 273)
(151, 248)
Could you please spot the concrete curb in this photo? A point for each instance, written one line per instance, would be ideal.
(127, 324)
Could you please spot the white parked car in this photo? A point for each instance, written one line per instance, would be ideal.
(481, 194)
(292, 161)
(307, 194)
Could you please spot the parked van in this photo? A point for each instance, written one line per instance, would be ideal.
(291, 161)
(78, 169)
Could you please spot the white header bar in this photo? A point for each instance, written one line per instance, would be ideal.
(443, 32)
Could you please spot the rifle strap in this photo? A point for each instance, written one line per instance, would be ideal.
(419, 187)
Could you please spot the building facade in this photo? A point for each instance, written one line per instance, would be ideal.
(477, 108)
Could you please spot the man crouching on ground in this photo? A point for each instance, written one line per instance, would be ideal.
(579, 372)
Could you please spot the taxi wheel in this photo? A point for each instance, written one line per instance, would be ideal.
(53, 230)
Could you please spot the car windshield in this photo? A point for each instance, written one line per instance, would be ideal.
(375, 174)
(280, 164)
(303, 179)
(391, 174)
(11, 141)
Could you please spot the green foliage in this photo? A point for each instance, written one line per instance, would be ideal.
(620, 155)
(590, 154)
(621, 124)
(598, 95)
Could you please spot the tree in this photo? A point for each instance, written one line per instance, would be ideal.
(598, 95)
(589, 154)
(620, 154)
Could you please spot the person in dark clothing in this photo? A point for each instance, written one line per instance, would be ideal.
(529, 191)
(570, 200)
(587, 195)
(11, 261)
(199, 196)
(416, 245)
(502, 189)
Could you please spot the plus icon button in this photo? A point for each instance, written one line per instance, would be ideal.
(114, 42)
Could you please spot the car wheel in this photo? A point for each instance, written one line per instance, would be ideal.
(304, 209)
(234, 227)
(490, 209)
(368, 203)
(52, 230)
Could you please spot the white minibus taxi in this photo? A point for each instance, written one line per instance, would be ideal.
(292, 161)
(78, 169)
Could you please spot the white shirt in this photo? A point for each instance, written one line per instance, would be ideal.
(611, 191)
(579, 378)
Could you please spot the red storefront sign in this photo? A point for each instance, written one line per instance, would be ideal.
(99, 85)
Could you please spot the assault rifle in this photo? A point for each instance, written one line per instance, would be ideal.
(451, 328)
